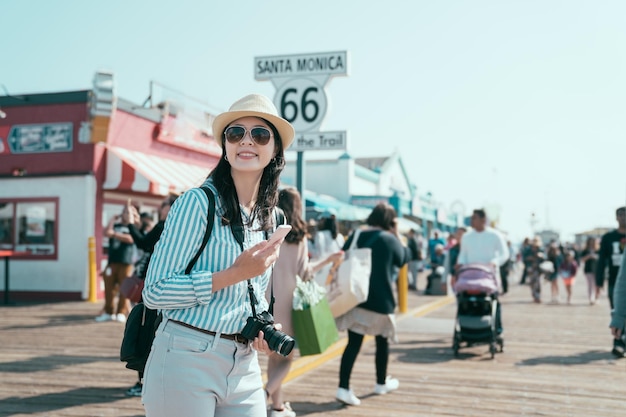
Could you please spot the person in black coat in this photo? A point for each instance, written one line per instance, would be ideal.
(375, 316)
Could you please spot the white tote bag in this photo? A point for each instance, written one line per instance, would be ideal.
(324, 245)
(348, 286)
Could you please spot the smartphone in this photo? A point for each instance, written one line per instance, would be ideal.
(281, 232)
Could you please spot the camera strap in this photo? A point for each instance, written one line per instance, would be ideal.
(237, 229)
(254, 301)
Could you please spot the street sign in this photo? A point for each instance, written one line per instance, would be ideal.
(300, 82)
(302, 102)
(317, 141)
(301, 65)
(41, 138)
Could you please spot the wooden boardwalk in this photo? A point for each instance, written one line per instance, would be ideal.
(56, 361)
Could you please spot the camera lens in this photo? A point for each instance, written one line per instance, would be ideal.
(278, 341)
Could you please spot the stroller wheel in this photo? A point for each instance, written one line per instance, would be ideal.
(492, 350)
(455, 344)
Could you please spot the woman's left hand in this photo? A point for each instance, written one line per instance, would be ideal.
(260, 344)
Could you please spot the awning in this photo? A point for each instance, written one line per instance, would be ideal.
(128, 170)
(318, 204)
(321, 203)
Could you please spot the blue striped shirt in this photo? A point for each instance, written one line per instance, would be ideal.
(190, 298)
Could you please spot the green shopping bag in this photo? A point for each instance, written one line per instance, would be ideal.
(315, 328)
(313, 322)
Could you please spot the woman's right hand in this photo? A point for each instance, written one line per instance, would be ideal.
(252, 262)
(256, 260)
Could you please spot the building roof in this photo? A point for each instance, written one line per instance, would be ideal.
(44, 98)
(373, 163)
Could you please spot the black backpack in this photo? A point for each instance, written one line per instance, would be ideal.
(139, 333)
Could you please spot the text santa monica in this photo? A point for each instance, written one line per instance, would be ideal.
(281, 66)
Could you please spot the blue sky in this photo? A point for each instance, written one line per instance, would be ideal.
(514, 105)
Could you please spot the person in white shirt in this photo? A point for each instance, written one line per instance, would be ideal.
(484, 245)
(327, 238)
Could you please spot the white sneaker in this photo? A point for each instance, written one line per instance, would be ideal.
(346, 396)
(105, 317)
(390, 384)
(120, 318)
(285, 412)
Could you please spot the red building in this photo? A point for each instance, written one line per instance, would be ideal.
(69, 161)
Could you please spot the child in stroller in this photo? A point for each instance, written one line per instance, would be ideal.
(478, 318)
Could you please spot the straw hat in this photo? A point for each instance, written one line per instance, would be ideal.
(254, 105)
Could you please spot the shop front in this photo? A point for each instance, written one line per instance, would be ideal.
(67, 167)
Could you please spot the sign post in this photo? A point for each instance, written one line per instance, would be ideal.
(301, 98)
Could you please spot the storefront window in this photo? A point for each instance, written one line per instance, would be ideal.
(29, 226)
(6, 225)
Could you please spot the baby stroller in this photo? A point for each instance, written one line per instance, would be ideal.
(477, 317)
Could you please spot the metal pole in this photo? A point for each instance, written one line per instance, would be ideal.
(93, 276)
(300, 180)
(403, 285)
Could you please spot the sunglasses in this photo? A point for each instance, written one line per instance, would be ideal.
(260, 135)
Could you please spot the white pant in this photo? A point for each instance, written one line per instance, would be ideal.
(193, 374)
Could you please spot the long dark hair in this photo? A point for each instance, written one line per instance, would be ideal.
(290, 202)
(592, 243)
(383, 216)
(329, 223)
(267, 197)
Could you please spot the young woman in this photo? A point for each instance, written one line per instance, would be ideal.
(589, 257)
(327, 240)
(376, 315)
(533, 258)
(200, 363)
(567, 272)
(327, 237)
(293, 260)
(554, 255)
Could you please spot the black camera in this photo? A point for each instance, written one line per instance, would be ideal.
(278, 341)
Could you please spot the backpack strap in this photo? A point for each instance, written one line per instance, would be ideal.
(209, 227)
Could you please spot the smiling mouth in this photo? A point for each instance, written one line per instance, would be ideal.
(246, 155)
